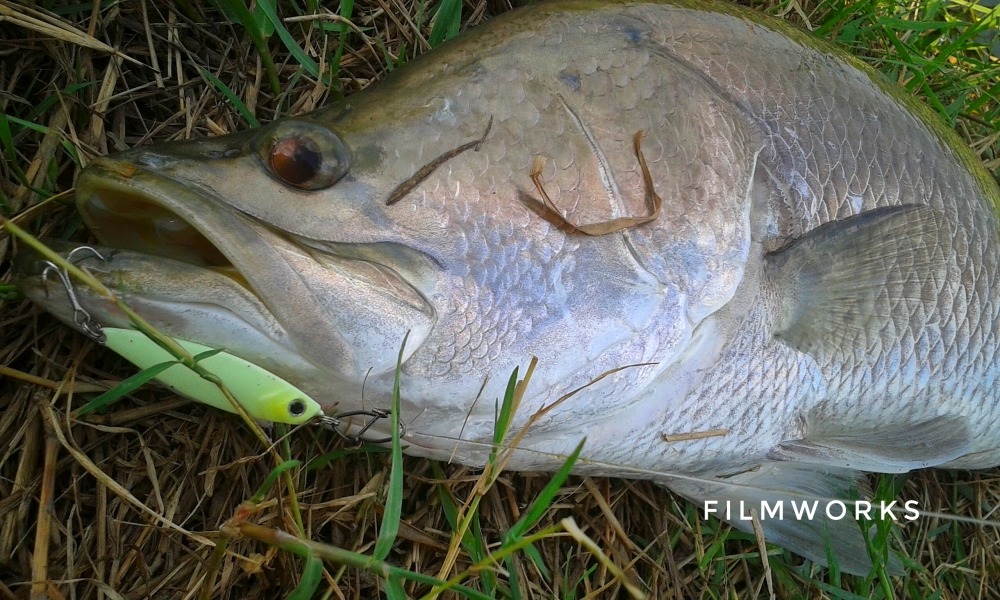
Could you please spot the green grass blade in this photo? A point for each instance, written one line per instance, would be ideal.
(472, 538)
(833, 565)
(545, 498)
(394, 499)
(28, 124)
(10, 149)
(505, 415)
(262, 21)
(230, 95)
(450, 509)
(346, 12)
(937, 27)
(208, 354)
(394, 589)
(135, 382)
(125, 388)
(513, 579)
(271, 478)
(267, 7)
(447, 22)
(308, 548)
(538, 508)
(312, 575)
(237, 11)
(50, 101)
(539, 562)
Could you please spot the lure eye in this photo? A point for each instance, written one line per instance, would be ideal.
(297, 408)
(305, 155)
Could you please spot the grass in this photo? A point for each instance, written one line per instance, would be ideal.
(238, 516)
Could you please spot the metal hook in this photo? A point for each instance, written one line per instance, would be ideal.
(335, 421)
(71, 257)
(81, 317)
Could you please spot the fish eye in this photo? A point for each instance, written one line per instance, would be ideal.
(295, 160)
(305, 155)
(297, 407)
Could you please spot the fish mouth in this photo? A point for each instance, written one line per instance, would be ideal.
(122, 217)
(144, 211)
(128, 208)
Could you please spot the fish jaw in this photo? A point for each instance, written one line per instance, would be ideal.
(176, 298)
(344, 315)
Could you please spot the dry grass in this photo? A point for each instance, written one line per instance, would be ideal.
(78, 499)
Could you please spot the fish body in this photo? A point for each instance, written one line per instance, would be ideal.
(815, 297)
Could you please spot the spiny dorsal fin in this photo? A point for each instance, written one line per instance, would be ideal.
(841, 283)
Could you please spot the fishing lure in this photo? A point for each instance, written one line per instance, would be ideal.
(263, 394)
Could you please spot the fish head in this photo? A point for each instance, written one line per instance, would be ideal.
(188, 222)
(400, 213)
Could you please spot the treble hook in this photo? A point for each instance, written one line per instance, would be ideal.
(81, 317)
(335, 421)
(71, 257)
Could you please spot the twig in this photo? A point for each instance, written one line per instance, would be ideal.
(762, 547)
(43, 523)
(694, 435)
(548, 211)
(52, 424)
(425, 171)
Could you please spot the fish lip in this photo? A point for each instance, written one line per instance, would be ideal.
(161, 191)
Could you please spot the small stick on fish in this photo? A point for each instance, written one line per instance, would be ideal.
(425, 171)
(694, 435)
(548, 211)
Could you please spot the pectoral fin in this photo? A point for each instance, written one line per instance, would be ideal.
(841, 284)
(810, 532)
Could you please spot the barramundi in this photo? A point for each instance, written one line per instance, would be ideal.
(749, 269)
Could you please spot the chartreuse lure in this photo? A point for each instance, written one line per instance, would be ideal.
(264, 395)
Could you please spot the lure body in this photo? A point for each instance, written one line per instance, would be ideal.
(265, 396)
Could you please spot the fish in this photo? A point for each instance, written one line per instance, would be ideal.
(748, 268)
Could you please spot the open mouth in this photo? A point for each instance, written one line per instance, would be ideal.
(131, 208)
(345, 306)
(129, 221)
(133, 222)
